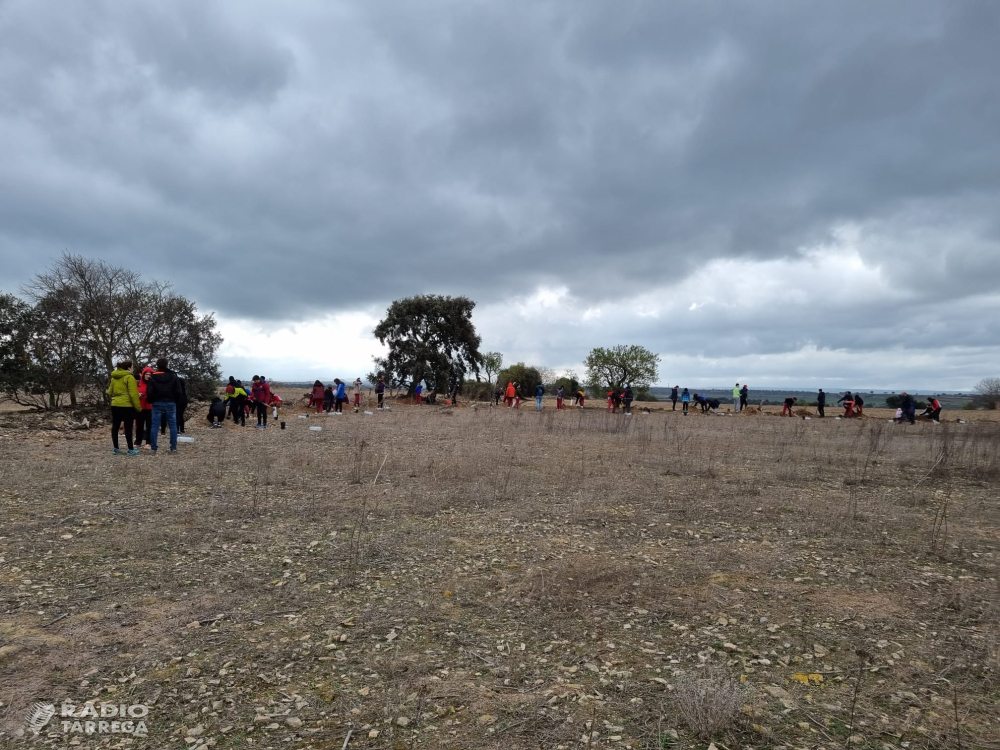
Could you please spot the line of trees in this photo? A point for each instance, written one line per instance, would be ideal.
(432, 339)
(60, 339)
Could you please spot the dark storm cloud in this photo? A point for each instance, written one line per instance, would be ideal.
(320, 156)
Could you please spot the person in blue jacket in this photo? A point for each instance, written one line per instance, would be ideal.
(685, 400)
(340, 395)
(539, 392)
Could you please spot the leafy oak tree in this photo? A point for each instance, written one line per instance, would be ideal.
(431, 339)
(620, 366)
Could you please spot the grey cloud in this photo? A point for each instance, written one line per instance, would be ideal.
(355, 153)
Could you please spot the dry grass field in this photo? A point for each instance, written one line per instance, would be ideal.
(435, 577)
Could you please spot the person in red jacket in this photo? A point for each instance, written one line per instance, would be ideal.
(317, 396)
(144, 421)
(933, 410)
(261, 394)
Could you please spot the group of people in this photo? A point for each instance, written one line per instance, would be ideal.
(511, 396)
(331, 398)
(237, 403)
(143, 406)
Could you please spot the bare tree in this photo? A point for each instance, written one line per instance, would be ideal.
(988, 392)
(117, 313)
(492, 365)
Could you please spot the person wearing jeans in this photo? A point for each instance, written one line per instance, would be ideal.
(164, 410)
(163, 392)
(539, 392)
(736, 397)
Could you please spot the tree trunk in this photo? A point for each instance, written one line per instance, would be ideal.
(72, 397)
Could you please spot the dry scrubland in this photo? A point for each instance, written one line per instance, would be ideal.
(472, 578)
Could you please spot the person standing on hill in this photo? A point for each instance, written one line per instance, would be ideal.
(238, 403)
(125, 405)
(356, 390)
(539, 392)
(163, 392)
(627, 398)
(418, 393)
(261, 393)
(328, 399)
(675, 394)
(182, 405)
(859, 403)
(909, 407)
(380, 392)
(560, 393)
(685, 400)
(821, 403)
(509, 394)
(736, 397)
(787, 408)
(744, 397)
(517, 395)
(341, 395)
(145, 420)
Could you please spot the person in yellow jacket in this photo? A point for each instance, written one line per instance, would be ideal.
(237, 403)
(736, 397)
(125, 405)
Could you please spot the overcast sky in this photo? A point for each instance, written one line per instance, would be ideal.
(780, 193)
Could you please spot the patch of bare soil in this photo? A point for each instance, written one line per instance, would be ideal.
(440, 577)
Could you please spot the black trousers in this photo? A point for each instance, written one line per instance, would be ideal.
(627, 403)
(821, 409)
(239, 410)
(261, 413)
(674, 402)
(380, 395)
(743, 402)
(340, 405)
(122, 415)
(143, 426)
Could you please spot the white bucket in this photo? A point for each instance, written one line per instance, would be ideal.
(315, 428)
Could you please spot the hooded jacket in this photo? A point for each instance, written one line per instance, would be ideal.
(261, 391)
(341, 391)
(165, 386)
(142, 386)
(217, 409)
(123, 390)
(736, 391)
(510, 390)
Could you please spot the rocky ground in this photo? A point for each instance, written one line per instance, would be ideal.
(429, 577)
